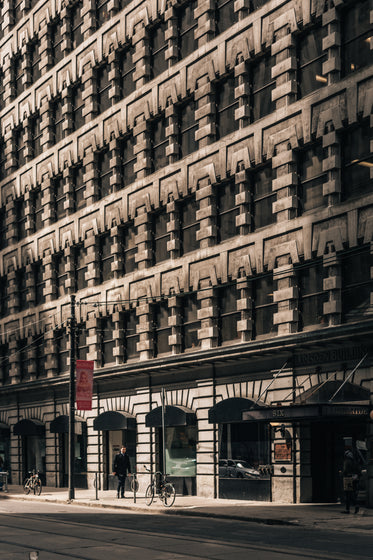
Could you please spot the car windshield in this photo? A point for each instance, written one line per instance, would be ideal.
(243, 465)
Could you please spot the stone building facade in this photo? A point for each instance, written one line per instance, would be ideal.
(199, 174)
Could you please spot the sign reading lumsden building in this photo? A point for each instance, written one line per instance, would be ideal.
(84, 384)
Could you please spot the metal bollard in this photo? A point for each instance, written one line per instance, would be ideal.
(96, 485)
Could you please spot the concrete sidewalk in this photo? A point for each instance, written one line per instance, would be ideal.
(321, 516)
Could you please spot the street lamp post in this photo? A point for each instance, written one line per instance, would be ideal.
(72, 402)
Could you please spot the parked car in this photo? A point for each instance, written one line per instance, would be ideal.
(231, 468)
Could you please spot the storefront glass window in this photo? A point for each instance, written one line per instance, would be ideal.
(181, 450)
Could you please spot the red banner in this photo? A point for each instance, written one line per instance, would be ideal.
(84, 384)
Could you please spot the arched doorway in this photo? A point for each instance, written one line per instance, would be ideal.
(180, 445)
(32, 433)
(118, 428)
(60, 426)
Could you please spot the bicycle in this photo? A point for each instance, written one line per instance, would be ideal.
(33, 482)
(164, 489)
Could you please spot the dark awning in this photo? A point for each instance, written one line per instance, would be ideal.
(343, 391)
(112, 420)
(230, 410)
(60, 425)
(307, 412)
(28, 427)
(173, 416)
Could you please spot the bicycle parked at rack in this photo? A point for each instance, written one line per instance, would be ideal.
(33, 482)
(161, 487)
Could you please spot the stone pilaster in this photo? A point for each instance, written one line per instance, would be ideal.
(284, 70)
(144, 330)
(48, 278)
(285, 183)
(242, 93)
(11, 221)
(93, 268)
(90, 177)
(118, 350)
(93, 339)
(245, 306)
(206, 29)
(207, 314)
(205, 113)
(172, 132)
(141, 56)
(89, 96)
(243, 201)
(51, 358)
(286, 297)
(14, 376)
(88, 13)
(142, 148)
(206, 214)
(174, 321)
(171, 36)
(143, 256)
(332, 284)
(173, 244)
(13, 292)
(332, 166)
(331, 44)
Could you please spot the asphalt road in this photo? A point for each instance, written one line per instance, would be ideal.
(63, 532)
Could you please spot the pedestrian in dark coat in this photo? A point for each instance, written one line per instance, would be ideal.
(121, 467)
(351, 472)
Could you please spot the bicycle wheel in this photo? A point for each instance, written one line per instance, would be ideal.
(26, 486)
(37, 487)
(168, 494)
(134, 484)
(149, 495)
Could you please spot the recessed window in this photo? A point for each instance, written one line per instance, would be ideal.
(188, 225)
(225, 16)
(57, 120)
(263, 306)
(190, 322)
(129, 248)
(159, 143)
(357, 36)
(104, 173)
(20, 208)
(3, 159)
(18, 75)
(128, 160)
(22, 290)
(158, 47)
(226, 210)
(161, 330)
(19, 144)
(35, 59)
(187, 127)
(187, 24)
(311, 57)
(4, 364)
(311, 178)
(103, 85)
(3, 228)
(79, 187)
(226, 104)
(39, 355)
(4, 296)
(36, 134)
(160, 235)
(80, 256)
(262, 197)
(56, 40)
(107, 341)
(126, 70)
(228, 315)
(59, 197)
(62, 350)
(357, 285)
(310, 277)
(357, 160)
(77, 106)
(37, 209)
(261, 85)
(76, 24)
(106, 258)
(131, 338)
(61, 274)
(82, 347)
(39, 283)
(102, 13)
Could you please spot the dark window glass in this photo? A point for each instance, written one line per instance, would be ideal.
(37, 209)
(39, 283)
(57, 120)
(103, 88)
(56, 40)
(311, 295)
(187, 24)
(160, 235)
(62, 344)
(19, 141)
(59, 197)
(226, 210)
(129, 248)
(311, 178)
(36, 135)
(256, 4)
(262, 85)
(357, 160)
(225, 107)
(22, 289)
(311, 57)
(188, 225)
(80, 267)
(263, 306)
(35, 60)
(228, 314)
(20, 208)
(18, 75)
(77, 106)
(128, 160)
(3, 229)
(61, 275)
(225, 16)
(187, 128)
(3, 172)
(81, 342)
(131, 322)
(39, 355)
(4, 363)
(126, 69)
(190, 322)
(159, 143)
(76, 22)
(107, 341)
(263, 198)
(357, 285)
(158, 46)
(104, 173)
(22, 349)
(79, 188)
(161, 329)
(102, 14)
(356, 37)
(2, 88)
(106, 257)
(4, 297)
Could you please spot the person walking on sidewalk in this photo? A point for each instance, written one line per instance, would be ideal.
(121, 467)
(351, 472)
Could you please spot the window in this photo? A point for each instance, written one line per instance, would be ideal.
(357, 35)
(228, 314)
(18, 75)
(107, 341)
(2, 88)
(59, 195)
(103, 88)
(263, 198)
(158, 47)
(187, 24)
(4, 297)
(263, 306)
(129, 248)
(37, 209)
(19, 142)
(61, 275)
(81, 268)
(57, 120)
(36, 135)
(262, 85)
(256, 4)
(22, 349)
(311, 178)
(4, 363)
(39, 283)
(76, 23)
(159, 143)
(311, 295)
(357, 160)
(20, 209)
(188, 225)
(102, 14)
(106, 258)
(225, 107)
(131, 322)
(39, 355)
(226, 210)
(3, 171)
(35, 59)
(3, 228)
(160, 235)
(190, 322)
(225, 16)
(161, 329)
(126, 71)
(18, 11)
(62, 347)
(22, 290)
(77, 106)
(357, 285)
(128, 160)
(56, 40)
(82, 347)
(311, 57)
(78, 184)
(104, 173)
(187, 128)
